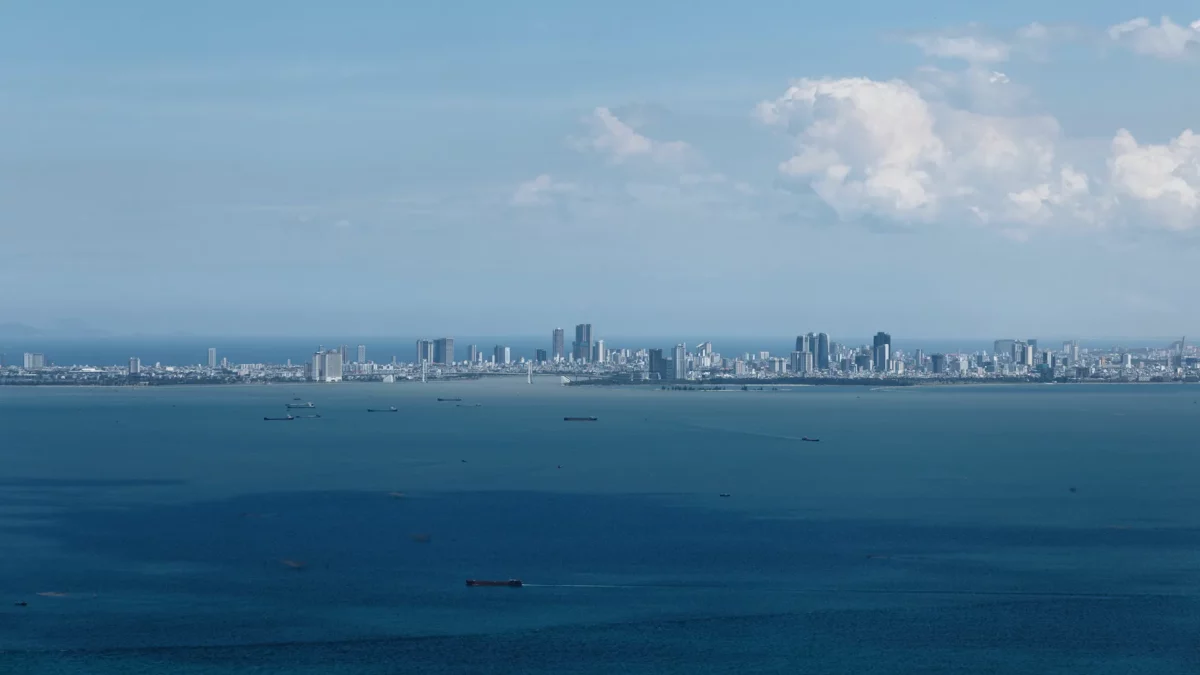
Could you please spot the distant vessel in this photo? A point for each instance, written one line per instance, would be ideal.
(307, 417)
(473, 405)
(724, 494)
(297, 399)
(301, 405)
(512, 583)
(810, 440)
(580, 419)
(278, 419)
(444, 400)
(388, 409)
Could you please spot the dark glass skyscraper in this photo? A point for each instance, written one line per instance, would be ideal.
(882, 352)
(443, 351)
(582, 347)
(822, 351)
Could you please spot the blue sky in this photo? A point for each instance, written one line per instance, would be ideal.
(930, 168)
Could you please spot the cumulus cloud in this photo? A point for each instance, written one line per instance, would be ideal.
(620, 142)
(880, 148)
(1163, 179)
(1167, 40)
(539, 190)
(971, 48)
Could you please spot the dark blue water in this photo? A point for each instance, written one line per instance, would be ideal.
(975, 529)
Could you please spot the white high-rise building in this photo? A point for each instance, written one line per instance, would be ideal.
(212, 357)
(681, 369)
(135, 365)
(362, 353)
(34, 361)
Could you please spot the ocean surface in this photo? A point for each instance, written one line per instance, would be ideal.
(978, 529)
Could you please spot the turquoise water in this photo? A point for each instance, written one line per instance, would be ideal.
(944, 529)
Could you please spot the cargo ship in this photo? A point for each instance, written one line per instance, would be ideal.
(301, 405)
(511, 583)
(810, 440)
(446, 400)
(388, 409)
(580, 419)
(278, 419)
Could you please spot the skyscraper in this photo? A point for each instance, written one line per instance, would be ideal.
(600, 354)
(34, 361)
(362, 353)
(656, 366)
(822, 351)
(344, 352)
(443, 351)
(212, 357)
(539, 355)
(502, 355)
(424, 351)
(326, 366)
(804, 343)
(937, 364)
(680, 362)
(473, 353)
(581, 349)
(557, 345)
(882, 351)
(135, 365)
(802, 362)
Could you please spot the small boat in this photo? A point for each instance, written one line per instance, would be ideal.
(470, 405)
(447, 400)
(308, 417)
(806, 439)
(511, 583)
(388, 409)
(297, 399)
(725, 494)
(301, 405)
(580, 419)
(279, 419)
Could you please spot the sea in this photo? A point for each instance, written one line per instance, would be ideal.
(1004, 529)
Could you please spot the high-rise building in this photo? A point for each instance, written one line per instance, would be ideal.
(557, 345)
(739, 368)
(600, 354)
(655, 365)
(1027, 355)
(680, 362)
(135, 365)
(1127, 361)
(882, 351)
(424, 351)
(473, 353)
(362, 353)
(581, 349)
(804, 343)
(326, 366)
(34, 361)
(1003, 348)
(862, 361)
(704, 349)
(443, 351)
(212, 357)
(802, 362)
(822, 351)
(344, 352)
(919, 360)
(502, 355)
(539, 355)
(937, 364)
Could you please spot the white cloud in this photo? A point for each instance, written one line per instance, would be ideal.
(620, 142)
(1163, 179)
(868, 147)
(539, 190)
(1167, 40)
(970, 48)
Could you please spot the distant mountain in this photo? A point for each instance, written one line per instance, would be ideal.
(63, 329)
(19, 330)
